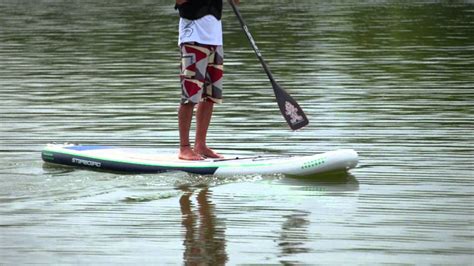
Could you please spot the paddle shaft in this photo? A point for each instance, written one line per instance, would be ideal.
(253, 43)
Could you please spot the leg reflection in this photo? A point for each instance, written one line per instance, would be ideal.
(204, 238)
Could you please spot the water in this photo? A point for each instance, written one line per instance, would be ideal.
(392, 80)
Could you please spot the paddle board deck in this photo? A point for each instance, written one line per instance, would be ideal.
(147, 160)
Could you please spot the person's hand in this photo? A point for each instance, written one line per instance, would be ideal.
(180, 2)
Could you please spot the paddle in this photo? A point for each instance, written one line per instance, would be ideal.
(289, 108)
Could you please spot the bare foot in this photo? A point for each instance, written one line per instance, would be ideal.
(186, 153)
(207, 153)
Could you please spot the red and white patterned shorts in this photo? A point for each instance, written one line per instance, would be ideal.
(201, 72)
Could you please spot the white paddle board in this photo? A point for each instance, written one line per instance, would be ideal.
(148, 160)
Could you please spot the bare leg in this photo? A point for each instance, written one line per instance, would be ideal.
(203, 119)
(185, 116)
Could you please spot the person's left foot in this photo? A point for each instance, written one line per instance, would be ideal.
(207, 153)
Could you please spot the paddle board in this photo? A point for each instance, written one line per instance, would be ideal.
(148, 160)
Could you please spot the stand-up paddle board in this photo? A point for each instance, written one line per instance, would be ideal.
(147, 160)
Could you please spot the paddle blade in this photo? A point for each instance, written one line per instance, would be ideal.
(290, 109)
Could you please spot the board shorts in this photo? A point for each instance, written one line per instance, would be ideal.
(201, 73)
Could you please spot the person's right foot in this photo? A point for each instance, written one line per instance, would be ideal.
(187, 153)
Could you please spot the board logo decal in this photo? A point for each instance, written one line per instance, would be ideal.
(86, 162)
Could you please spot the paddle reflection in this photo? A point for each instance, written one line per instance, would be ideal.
(204, 242)
(294, 236)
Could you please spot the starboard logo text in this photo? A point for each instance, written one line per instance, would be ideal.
(86, 162)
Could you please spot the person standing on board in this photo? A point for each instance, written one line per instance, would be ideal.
(202, 56)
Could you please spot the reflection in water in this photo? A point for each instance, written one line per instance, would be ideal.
(294, 235)
(331, 182)
(204, 240)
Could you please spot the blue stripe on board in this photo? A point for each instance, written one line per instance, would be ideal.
(87, 147)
